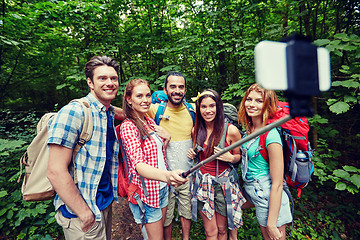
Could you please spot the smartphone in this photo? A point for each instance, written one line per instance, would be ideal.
(271, 67)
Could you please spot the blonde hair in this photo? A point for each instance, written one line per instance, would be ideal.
(269, 106)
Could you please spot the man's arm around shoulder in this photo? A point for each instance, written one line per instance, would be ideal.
(58, 175)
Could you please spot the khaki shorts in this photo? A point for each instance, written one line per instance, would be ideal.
(184, 207)
(100, 229)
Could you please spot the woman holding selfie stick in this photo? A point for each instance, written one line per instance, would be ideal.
(144, 143)
(218, 198)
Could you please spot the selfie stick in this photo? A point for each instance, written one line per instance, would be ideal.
(237, 144)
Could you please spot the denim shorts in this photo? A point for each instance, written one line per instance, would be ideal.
(258, 192)
(151, 214)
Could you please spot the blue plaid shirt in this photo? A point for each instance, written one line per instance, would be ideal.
(65, 129)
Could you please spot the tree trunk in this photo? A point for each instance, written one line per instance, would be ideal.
(285, 18)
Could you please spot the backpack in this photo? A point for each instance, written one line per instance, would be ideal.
(161, 98)
(125, 188)
(123, 171)
(298, 165)
(36, 186)
(231, 116)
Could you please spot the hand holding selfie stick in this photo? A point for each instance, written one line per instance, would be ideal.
(237, 144)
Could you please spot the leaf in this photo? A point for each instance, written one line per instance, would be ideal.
(321, 42)
(61, 86)
(170, 68)
(339, 107)
(318, 119)
(347, 83)
(9, 41)
(350, 99)
(341, 173)
(355, 76)
(3, 211)
(351, 169)
(3, 193)
(9, 145)
(340, 186)
(16, 16)
(342, 36)
(355, 179)
(350, 48)
(352, 189)
(331, 101)
(339, 53)
(10, 214)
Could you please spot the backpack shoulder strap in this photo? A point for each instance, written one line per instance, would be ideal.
(122, 155)
(222, 146)
(87, 128)
(262, 146)
(223, 137)
(262, 143)
(191, 110)
(86, 131)
(160, 112)
(161, 109)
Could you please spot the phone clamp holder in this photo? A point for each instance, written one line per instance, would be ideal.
(302, 74)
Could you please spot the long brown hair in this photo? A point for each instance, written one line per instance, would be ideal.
(200, 127)
(129, 111)
(269, 106)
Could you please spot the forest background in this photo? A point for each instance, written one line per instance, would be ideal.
(45, 44)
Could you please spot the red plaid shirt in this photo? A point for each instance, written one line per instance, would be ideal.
(146, 153)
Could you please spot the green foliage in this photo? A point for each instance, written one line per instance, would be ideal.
(19, 219)
(346, 84)
(347, 178)
(7, 146)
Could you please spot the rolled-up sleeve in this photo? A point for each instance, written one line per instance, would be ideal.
(65, 128)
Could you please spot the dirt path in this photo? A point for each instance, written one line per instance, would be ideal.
(124, 226)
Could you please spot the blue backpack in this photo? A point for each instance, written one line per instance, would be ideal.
(161, 98)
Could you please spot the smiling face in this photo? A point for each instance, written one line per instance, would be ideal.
(140, 99)
(254, 104)
(175, 90)
(208, 109)
(105, 84)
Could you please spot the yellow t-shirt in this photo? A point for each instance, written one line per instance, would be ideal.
(178, 125)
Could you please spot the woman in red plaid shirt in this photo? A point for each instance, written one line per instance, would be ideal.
(144, 143)
(217, 194)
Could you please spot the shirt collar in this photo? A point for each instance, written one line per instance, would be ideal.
(98, 105)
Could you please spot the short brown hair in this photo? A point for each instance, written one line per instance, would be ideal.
(97, 61)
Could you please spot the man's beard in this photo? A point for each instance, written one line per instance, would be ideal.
(177, 103)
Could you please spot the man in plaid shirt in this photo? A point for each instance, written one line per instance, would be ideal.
(84, 209)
